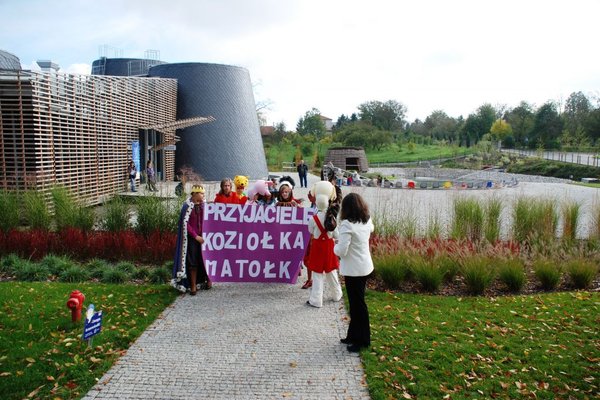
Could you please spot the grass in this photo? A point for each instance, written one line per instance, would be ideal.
(468, 219)
(276, 153)
(392, 153)
(571, 212)
(41, 351)
(9, 210)
(429, 347)
(548, 272)
(534, 217)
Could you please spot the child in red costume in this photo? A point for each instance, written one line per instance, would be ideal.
(321, 259)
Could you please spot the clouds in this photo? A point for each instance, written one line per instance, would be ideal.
(335, 55)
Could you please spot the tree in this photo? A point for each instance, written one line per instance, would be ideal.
(311, 124)
(547, 127)
(357, 134)
(280, 128)
(387, 116)
(500, 130)
(521, 120)
(440, 126)
(341, 121)
(418, 128)
(576, 114)
(380, 138)
(478, 124)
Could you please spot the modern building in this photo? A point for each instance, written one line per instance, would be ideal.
(80, 131)
(232, 144)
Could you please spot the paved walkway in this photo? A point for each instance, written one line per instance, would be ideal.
(240, 341)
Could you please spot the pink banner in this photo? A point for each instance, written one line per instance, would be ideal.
(252, 243)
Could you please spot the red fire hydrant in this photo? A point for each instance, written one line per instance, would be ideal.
(75, 303)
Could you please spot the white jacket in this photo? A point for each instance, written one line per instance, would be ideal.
(353, 248)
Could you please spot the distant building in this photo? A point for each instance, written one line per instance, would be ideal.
(328, 122)
(267, 131)
(347, 158)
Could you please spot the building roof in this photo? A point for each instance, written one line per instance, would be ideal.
(9, 61)
(267, 130)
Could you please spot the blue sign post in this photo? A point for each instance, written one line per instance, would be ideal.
(135, 154)
(92, 325)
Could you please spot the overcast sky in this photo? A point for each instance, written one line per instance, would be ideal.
(335, 54)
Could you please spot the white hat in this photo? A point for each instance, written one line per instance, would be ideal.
(286, 183)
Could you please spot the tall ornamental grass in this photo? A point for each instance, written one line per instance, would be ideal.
(35, 210)
(493, 211)
(548, 272)
(394, 269)
(429, 274)
(478, 273)
(9, 210)
(154, 214)
(387, 222)
(595, 224)
(581, 272)
(468, 219)
(434, 226)
(511, 272)
(68, 213)
(117, 216)
(534, 219)
(571, 212)
(449, 266)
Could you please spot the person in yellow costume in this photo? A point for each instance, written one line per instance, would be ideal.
(241, 183)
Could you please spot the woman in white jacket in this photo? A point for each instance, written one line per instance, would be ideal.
(355, 265)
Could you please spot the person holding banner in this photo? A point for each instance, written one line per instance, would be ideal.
(225, 195)
(188, 267)
(355, 265)
(285, 196)
(321, 259)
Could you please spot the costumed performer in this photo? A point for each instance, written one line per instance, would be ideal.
(321, 259)
(241, 183)
(188, 267)
(259, 193)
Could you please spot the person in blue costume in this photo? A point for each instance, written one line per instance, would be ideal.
(188, 267)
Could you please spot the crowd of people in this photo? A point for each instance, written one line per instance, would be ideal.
(339, 240)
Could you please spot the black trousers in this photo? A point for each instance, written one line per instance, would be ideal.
(359, 331)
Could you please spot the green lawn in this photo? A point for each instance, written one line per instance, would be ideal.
(285, 152)
(592, 185)
(41, 351)
(541, 346)
(392, 153)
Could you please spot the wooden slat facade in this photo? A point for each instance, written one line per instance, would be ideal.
(77, 130)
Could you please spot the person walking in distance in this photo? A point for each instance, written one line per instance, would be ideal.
(132, 171)
(302, 172)
(151, 175)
